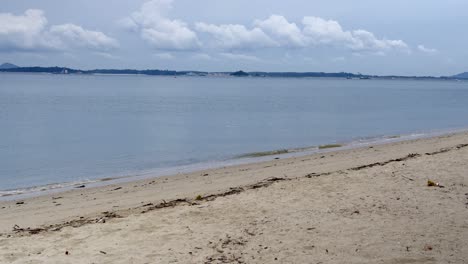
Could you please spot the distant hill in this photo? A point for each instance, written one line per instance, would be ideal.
(239, 74)
(8, 66)
(461, 76)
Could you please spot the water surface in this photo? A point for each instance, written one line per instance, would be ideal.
(71, 128)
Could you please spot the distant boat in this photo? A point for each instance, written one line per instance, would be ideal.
(364, 77)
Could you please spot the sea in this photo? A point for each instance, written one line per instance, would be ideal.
(60, 131)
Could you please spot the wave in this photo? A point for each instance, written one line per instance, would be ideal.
(246, 158)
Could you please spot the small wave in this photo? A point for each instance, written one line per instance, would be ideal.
(237, 160)
(45, 188)
(276, 152)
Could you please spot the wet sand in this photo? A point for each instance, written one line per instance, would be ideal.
(366, 205)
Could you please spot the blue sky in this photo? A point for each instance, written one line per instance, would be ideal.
(376, 37)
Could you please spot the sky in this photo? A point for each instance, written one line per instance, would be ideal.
(397, 37)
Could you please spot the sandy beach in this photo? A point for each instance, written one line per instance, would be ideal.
(365, 205)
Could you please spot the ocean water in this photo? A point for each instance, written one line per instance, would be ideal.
(72, 128)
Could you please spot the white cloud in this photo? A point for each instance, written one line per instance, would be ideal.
(25, 32)
(365, 40)
(236, 36)
(277, 32)
(426, 50)
(320, 31)
(77, 36)
(33, 22)
(234, 56)
(155, 27)
(158, 30)
(288, 34)
(29, 32)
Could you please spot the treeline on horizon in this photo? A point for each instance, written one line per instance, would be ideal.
(65, 70)
(62, 70)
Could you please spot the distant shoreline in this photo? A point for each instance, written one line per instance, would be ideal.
(238, 74)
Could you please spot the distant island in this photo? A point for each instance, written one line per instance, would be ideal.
(239, 74)
(9, 67)
(463, 75)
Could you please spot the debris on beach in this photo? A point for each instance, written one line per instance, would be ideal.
(17, 229)
(434, 184)
(427, 248)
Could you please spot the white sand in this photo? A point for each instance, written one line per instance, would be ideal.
(383, 213)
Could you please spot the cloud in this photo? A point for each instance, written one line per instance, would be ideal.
(234, 56)
(285, 33)
(277, 32)
(319, 31)
(426, 50)
(25, 32)
(154, 26)
(29, 32)
(159, 31)
(236, 36)
(75, 35)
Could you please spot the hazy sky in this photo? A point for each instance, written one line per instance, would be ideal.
(375, 37)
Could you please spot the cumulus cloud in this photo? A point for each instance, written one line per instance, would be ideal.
(276, 31)
(158, 30)
(236, 36)
(285, 33)
(155, 27)
(29, 32)
(426, 50)
(25, 32)
(320, 31)
(78, 36)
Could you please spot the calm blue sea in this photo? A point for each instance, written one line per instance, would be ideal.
(71, 128)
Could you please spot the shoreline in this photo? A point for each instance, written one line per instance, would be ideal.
(371, 204)
(259, 75)
(201, 182)
(243, 159)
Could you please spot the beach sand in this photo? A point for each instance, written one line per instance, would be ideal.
(366, 205)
